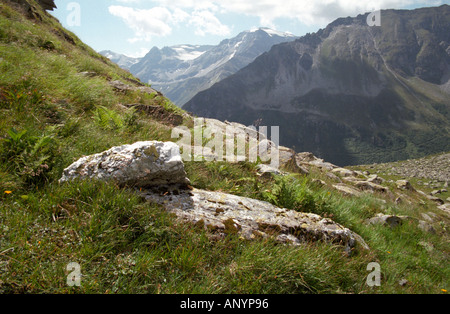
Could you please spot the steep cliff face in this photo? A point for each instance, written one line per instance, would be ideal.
(350, 93)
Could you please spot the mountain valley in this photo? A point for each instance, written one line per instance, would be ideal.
(350, 93)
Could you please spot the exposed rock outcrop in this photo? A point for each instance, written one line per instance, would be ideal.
(404, 185)
(142, 164)
(157, 166)
(45, 4)
(226, 213)
(387, 220)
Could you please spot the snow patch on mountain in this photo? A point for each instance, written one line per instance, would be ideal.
(181, 71)
(272, 32)
(187, 52)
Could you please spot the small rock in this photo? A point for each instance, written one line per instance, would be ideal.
(308, 159)
(435, 199)
(387, 220)
(375, 179)
(425, 226)
(351, 179)
(318, 182)
(267, 171)
(403, 282)
(371, 187)
(404, 185)
(347, 190)
(344, 172)
(445, 207)
(88, 74)
(435, 192)
(426, 217)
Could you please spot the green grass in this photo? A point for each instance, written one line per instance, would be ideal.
(51, 115)
(127, 245)
(400, 251)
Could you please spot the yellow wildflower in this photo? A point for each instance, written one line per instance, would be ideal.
(8, 192)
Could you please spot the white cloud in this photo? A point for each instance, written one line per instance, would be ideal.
(138, 53)
(204, 15)
(206, 22)
(145, 23)
(129, 1)
(306, 11)
(159, 20)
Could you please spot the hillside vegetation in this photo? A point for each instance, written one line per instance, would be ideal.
(60, 100)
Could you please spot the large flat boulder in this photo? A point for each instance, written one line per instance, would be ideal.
(250, 218)
(142, 164)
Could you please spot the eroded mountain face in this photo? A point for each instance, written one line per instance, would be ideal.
(350, 93)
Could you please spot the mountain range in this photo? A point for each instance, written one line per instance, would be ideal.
(350, 93)
(181, 71)
(121, 60)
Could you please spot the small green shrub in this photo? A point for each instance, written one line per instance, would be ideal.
(108, 119)
(291, 192)
(69, 128)
(29, 157)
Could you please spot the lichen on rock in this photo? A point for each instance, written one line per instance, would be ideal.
(250, 218)
(141, 164)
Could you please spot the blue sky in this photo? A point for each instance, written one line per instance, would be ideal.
(133, 27)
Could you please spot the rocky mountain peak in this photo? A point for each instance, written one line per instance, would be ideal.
(181, 71)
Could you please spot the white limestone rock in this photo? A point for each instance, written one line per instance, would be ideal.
(142, 164)
(226, 213)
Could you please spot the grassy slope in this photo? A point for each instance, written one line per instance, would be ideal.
(125, 245)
